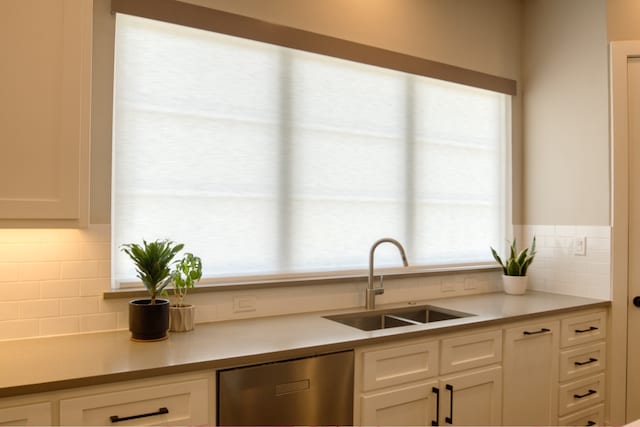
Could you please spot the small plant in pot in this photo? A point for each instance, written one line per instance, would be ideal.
(149, 317)
(514, 269)
(186, 273)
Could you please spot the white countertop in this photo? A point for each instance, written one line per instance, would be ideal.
(45, 364)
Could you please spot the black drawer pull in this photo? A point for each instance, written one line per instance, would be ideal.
(591, 360)
(449, 419)
(591, 328)
(117, 419)
(541, 331)
(591, 423)
(580, 396)
(436, 390)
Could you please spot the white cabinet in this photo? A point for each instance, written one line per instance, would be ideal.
(472, 398)
(581, 390)
(173, 400)
(27, 414)
(531, 373)
(45, 85)
(403, 383)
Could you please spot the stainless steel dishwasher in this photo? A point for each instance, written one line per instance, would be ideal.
(314, 390)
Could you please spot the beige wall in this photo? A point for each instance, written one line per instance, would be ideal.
(565, 113)
(482, 35)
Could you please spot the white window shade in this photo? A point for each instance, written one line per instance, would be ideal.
(263, 159)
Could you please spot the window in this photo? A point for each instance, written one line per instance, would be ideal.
(264, 159)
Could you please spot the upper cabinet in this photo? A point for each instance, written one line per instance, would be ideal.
(45, 98)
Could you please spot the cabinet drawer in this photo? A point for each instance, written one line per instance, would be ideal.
(177, 403)
(581, 394)
(583, 360)
(583, 329)
(35, 414)
(396, 365)
(588, 417)
(471, 351)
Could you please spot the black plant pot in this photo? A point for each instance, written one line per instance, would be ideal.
(148, 322)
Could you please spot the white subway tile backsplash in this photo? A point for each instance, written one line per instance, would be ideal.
(79, 270)
(557, 268)
(38, 271)
(39, 308)
(59, 289)
(18, 291)
(13, 329)
(9, 311)
(99, 322)
(8, 272)
(59, 325)
(80, 305)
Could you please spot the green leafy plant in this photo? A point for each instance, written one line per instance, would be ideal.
(186, 273)
(152, 261)
(518, 262)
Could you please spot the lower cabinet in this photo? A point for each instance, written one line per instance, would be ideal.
(404, 384)
(167, 403)
(472, 398)
(531, 373)
(33, 414)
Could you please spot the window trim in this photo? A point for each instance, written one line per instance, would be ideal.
(204, 18)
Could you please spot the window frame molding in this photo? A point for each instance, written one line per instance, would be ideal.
(204, 18)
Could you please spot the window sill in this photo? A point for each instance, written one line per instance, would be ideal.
(267, 282)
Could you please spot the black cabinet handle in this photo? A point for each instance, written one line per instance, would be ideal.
(449, 419)
(117, 419)
(580, 396)
(591, 423)
(591, 360)
(541, 331)
(636, 301)
(591, 328)
(436, 390)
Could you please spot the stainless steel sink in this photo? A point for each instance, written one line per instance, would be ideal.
(393, 318)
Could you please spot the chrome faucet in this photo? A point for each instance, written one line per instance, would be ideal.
(371, 290)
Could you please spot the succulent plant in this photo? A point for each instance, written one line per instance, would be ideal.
(518, 262)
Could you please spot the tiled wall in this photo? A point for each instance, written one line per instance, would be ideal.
(52, 281)
(557, 269)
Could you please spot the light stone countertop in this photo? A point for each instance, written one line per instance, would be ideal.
(54, 363)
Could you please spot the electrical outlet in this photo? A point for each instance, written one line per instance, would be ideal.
(580, 246)
(244, 304)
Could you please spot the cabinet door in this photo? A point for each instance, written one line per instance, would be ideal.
(45, 83)
(531, 374)
(472, 398)
(409, 405)
(35, 414)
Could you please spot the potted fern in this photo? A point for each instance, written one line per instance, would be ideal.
(149, 317)
(186, 273)
(514, 278)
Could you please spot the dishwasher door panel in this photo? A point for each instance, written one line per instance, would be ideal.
(310, 391)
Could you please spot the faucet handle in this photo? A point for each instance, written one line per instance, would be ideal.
(380, 290)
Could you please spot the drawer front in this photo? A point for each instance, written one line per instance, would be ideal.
(583, 329)
(584, 360)
(589, 417)
(399, 364)
(470, 351)
(35, 414)
(581, 394)
(179, 403)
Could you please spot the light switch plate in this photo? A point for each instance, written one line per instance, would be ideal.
(580, 246)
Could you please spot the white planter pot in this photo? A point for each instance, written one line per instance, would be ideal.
(514, 285)
(182, 318)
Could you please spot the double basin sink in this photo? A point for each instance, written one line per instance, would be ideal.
(393, 318)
